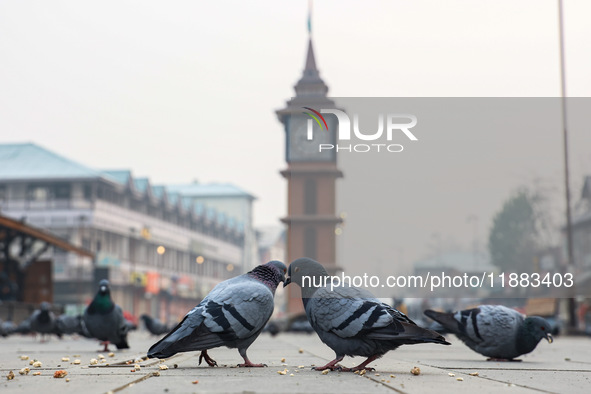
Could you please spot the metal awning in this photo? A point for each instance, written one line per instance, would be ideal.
(9, 228)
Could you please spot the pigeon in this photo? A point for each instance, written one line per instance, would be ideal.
(154, 325)
(24, 327)
(104, 319)
(351, 321)
(43, 321)
(7, 328)
(233, 314)
(67, 324)
(495, 331)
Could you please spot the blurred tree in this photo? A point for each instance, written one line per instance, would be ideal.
(518, 232)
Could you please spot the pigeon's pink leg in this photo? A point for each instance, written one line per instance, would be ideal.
(106, 345)
(210, 361)
(362, 366)
(331, 365)
(247, 363)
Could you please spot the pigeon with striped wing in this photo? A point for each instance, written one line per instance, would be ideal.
(233, 314)
(351, 321)
(495, 331)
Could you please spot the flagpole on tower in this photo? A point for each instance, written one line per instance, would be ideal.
(310, 18)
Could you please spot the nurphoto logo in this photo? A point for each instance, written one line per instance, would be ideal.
(393, 124)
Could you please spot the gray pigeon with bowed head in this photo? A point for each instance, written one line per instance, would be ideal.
(495, 331)
(351, 321)
(43, 320)
(233, 314)
(104, 319)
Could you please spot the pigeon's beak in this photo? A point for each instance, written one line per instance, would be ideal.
(549, 338)
(287, 281)
(103, 289)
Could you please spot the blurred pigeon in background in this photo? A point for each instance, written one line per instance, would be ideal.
(233, 314)
(155, 326)
(495, 331)
(24, 327)
(352, 321)
(69, 324)
(104, 319)
(7, 328)
(43, 321)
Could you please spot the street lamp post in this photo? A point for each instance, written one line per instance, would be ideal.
(572, 319)
(161, 250)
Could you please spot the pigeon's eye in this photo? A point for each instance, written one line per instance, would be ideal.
(543, 328)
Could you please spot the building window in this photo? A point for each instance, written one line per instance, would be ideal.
(310, 242)
(88, 192)
(37, 193)
(61, 191)
(310, 196)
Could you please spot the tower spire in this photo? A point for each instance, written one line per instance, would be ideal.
(310, 84)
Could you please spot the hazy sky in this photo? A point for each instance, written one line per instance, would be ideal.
(186, 90)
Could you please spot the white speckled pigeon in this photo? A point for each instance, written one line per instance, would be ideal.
(351, 321)
(233, 314)
(495, 331)
(43, 321)
(104, 319)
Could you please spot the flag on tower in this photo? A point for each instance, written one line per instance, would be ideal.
(310, 17)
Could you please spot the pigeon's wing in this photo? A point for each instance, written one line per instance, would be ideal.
(122, 328)
(235, 309)
(487, 326)
(240, 310)
(67, 324)
(34, 319)
(350, 312)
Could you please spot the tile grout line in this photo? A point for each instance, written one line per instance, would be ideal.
(495, 380)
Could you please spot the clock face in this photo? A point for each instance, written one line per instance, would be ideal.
(300, 148)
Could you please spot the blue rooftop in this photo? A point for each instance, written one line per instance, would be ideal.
(209, 190)
(121, 176)
(141, 184)
(30, 161)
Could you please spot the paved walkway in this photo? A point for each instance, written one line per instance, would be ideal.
(562, 367)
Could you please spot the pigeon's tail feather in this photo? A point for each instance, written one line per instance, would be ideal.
(447, 320)
(408, 334)
(185, 338)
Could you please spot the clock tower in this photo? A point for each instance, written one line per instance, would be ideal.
(311, 174)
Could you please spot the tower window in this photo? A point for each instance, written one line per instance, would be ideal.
(310, 242)
(310, 197)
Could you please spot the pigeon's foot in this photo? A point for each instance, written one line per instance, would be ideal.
(247, 363)
(358, 368)
(503, 359)
(333, 365)
(106, 345)
(210, 361)
(362, 366)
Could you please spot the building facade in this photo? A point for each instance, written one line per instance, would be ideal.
(161, 250)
